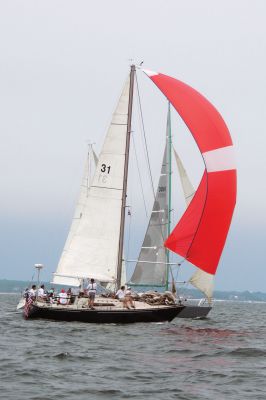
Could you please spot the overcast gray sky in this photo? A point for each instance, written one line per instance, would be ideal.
(62, 66)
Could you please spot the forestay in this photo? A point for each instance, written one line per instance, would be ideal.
(91, 249)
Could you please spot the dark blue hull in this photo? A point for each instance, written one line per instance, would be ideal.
(107, 316)
(194, 311)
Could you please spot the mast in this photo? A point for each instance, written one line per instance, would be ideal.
(169, 143)
(124, 194)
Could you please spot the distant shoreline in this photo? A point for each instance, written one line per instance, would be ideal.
(14, 293)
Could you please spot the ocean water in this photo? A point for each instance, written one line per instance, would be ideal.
(222, 357)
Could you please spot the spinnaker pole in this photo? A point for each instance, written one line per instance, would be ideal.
(124, 193)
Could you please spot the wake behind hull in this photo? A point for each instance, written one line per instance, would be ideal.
(106, 317)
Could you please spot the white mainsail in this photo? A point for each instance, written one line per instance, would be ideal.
(92, 248)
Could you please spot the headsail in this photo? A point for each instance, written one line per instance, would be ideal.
(83, 195)
(201, 233)
(92, 251)
(151, 267)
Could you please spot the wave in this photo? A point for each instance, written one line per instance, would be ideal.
(248, 352)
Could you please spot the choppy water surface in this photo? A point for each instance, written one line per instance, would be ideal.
(218, 358)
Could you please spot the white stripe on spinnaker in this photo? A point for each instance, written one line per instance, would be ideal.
(220, 159)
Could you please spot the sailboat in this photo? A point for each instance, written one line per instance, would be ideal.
(94, 247)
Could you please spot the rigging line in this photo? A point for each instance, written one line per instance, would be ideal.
(177, 271)
(140, 126)
(141, 185)
(29, 283)
(142, 136)
(146, 149)
(145, 140)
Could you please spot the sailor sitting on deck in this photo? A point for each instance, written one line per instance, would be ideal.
(125, 296)
(128, 297)
(51, 296)
(120, 294)
(91, 289)
(62, 298)
(41, 295)
(32, 292)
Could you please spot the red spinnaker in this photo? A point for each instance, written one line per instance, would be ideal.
(201, 233)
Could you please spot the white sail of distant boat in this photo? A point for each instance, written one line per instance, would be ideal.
(187, 186)
(93, 244)
(151, 267)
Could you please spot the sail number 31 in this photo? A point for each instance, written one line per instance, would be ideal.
(105, 168)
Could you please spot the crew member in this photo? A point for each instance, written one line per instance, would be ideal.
(91, 289)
